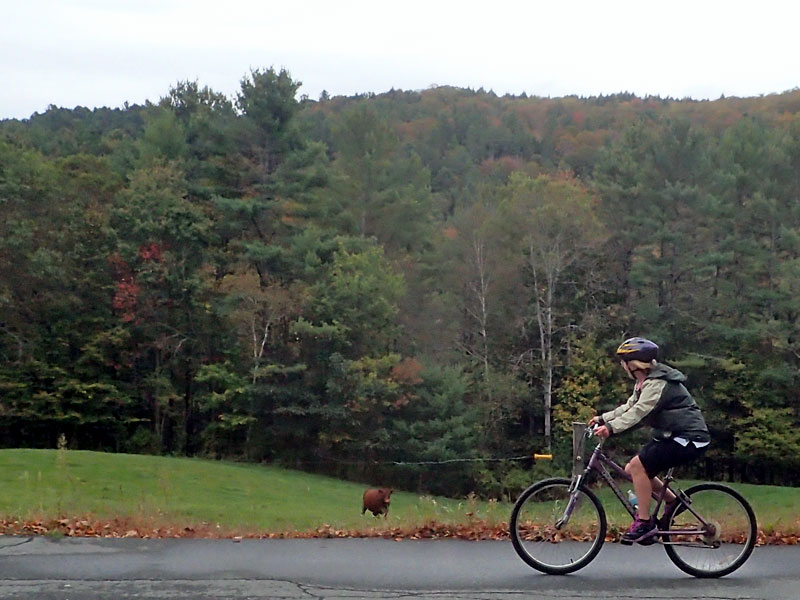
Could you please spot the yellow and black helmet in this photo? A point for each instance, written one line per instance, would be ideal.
(637, 348)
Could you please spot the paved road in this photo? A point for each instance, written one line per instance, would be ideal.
(94, 569)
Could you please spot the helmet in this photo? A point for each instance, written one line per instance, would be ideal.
(637, 348)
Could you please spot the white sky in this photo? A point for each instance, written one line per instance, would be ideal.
(104, 52)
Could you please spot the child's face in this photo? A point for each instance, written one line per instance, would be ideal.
(627, 369)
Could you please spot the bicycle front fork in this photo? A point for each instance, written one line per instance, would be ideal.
(573, 499)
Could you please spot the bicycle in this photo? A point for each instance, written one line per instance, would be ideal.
(559, 525)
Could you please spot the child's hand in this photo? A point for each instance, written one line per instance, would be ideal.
(602, 431)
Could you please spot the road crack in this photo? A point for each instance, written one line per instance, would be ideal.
(27, 541)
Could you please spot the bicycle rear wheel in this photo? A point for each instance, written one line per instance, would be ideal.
(547, 546)
(723, 543)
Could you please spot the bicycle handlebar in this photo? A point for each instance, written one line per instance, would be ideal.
(590, 429)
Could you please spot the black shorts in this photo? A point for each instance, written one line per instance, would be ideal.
(660, 455)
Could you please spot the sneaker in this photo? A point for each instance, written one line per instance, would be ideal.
(638, 530)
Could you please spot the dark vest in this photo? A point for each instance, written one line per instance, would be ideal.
(676, 414)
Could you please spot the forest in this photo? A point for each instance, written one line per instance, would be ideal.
(416, 288)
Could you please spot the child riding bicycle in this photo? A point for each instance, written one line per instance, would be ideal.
(661, 401)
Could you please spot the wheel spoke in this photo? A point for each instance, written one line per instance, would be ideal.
(544, 539)
(717, 539)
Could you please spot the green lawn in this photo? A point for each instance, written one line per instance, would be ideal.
(48, 484)
(246, 498)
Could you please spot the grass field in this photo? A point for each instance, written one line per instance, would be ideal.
(233, 498)
(48, 484)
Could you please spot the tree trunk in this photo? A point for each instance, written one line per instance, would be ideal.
(544, 298)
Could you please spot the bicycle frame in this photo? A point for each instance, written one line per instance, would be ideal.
(600, 463)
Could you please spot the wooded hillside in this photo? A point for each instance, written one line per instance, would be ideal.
(344, 284)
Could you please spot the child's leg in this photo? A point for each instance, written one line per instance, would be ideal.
(641, 485)
(657, 485)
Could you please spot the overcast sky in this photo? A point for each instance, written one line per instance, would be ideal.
(104, 52)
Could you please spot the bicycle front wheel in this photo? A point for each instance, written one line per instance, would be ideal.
(718, 539)
(550, 539)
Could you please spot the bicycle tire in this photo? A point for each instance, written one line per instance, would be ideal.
(533, 533)
(734, 532)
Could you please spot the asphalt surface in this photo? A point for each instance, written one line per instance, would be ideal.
(93, 569)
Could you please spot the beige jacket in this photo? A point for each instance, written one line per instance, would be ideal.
(637, 408)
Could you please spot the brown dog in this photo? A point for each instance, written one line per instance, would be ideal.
(377, 501)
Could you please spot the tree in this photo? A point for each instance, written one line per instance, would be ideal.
(209, 125)
(760, 224)
(163, 296)
(54, 304)
(655, 188)
(550, 225)
(280, 175)
(382, 191)
(358, 294)
(436, 423)
(268, 106)
(163, 139)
